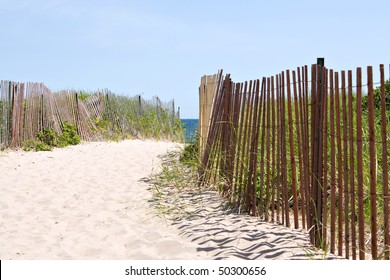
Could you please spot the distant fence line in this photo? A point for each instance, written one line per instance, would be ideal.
(28, 108)
(305, 147)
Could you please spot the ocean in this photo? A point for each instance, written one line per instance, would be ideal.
(191, 127)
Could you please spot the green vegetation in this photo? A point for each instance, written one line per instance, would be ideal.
(132, 117)
(83, 95)
(48, 139)
(190, 155)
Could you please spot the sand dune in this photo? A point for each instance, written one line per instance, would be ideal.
(92, 201)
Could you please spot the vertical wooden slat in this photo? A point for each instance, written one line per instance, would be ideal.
(13, 117)
(324, 183)
(284, 153)
(262, 108)
(359, 160)
(371, 129)
(237, 144)
(339, 168)
(268, 146)
(252, 184)
(314, 154)
(42, 106)
(237, 186)
(225, 158)
(231, 135)
(257, 130)
(317, 149)
(298, 120)
(351, 166)
(292, 153)
(247, 137)
(245, 140)
(305, 143)
(278, 152)
(332, 166)
(385, 172)
(345, 171)
(274, 140)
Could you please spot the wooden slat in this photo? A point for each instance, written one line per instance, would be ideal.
(345, 161)
(324, 182)
(262, 147)
(332, 166)
(298, 120)
(339, 168)
(351, 166)
(359, 160)
(274, 141)
(284, 153)
(385, 165)
(292, 153)
(371, 130)
(268, 145)
(278, 153)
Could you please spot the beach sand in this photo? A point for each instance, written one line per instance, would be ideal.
(94, 201)
(85, 202)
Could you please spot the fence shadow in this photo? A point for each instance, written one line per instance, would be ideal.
(204, 219)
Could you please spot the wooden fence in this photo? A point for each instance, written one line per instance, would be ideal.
(305, 148)
(28, 108)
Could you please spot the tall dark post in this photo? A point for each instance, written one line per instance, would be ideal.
(321, 61)
(318, 165)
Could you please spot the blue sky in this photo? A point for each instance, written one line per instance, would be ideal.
(163, 47)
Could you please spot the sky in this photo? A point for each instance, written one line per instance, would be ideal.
(162, 48)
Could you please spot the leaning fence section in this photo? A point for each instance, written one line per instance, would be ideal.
(306, 148)
(29, 108)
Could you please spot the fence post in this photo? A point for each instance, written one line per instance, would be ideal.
(318, 150)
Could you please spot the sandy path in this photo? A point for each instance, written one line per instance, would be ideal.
(93, 201)
(85, 202)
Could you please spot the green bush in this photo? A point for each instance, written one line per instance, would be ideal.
(69, 135)
(191, 152)
(35, 145)
(48, 136)
(48, 139)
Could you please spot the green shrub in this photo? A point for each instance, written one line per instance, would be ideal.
(48, 139)
(69, 135)
(48, 136)
(35, 145)
(191, 152)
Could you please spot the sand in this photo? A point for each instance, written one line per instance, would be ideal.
(85, 202)
(94, 201)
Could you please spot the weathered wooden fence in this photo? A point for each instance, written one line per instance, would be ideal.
(28, 108)
(305, 148)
